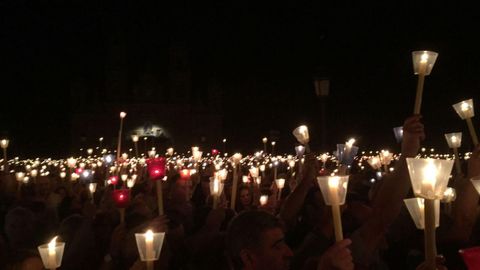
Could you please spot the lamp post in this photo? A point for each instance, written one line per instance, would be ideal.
(322, 89)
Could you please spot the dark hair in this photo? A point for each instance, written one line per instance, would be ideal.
(245, 231)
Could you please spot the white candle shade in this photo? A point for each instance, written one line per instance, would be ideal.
(429, 177)
(170, 151)
(216, 186)
(52, 253)
(197, 155)
(300, 150)
(301, 134)
(264, 140)
(236, 158)
(423, 61)
(280, 182)
(4, 143)
(123, 114)
(334, 189)
(386, 157)
(454, 140)
(449, 195)
(476, 183)
(71, 162)
(149, 245)
(19, 176)
(346, 159)
(254, 171)
(135, 138)
(263, 200)
(374, 162)
(398, 132)
(130, 182)
(464, 109)
(152, 153)
(92, 187)
(416, 209)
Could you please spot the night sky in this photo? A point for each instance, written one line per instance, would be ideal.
(265, 55)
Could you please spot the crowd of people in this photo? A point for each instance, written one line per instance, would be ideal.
(292, 230)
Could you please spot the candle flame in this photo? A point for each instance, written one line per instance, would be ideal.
(453, 139)
(264, 140)
(263, 199)
(424, 58)
(350, 142)
(52, 243)
(149, 236)
(430, 174)
(333, 181)
(464, 106)
(123, 114)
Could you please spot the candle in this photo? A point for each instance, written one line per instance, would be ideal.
(264, 140)
(52, 253)
(422, 63)
(149, 252)
(280, 182)
(236, 158)
(170, 151)
(4, 143)
(119, 144)
(263, 200)
(337, 220)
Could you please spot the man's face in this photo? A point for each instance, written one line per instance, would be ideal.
(273, 253)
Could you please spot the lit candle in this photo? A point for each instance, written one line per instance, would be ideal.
(149, 252)
(170, 151)
(264, 140)
(52, 254)
(422, 68)
(280, 182)
(263, 200)
(119, 144)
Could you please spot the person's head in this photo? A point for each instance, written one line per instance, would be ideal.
(20, 228)
(255, 240)
(245, 196)
(43, 186)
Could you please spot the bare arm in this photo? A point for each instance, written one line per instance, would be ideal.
(294, 202)
(465, 206)
(389, 199)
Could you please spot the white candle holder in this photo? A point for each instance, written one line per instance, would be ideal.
(216, 186)
(149, 245)
(454, 140)
(299, 150)
(449, 195)
(263, 200)
(416, 208)
(464, 109)
(4, 143)
(334, 191)
(429, 177)
(346, 153)
(333, 188)
(374, 162)
(476, 183)
(301, 134)
(423, 62)
(52, 253)
(398, 132)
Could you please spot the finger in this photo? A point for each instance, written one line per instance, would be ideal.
(340, 245)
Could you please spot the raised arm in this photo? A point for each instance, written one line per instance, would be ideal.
(294, 202)
(389, 199)
(465, 206)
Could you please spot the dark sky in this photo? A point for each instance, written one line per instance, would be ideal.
(265, 54)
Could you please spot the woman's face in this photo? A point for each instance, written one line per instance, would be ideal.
(245, 197)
